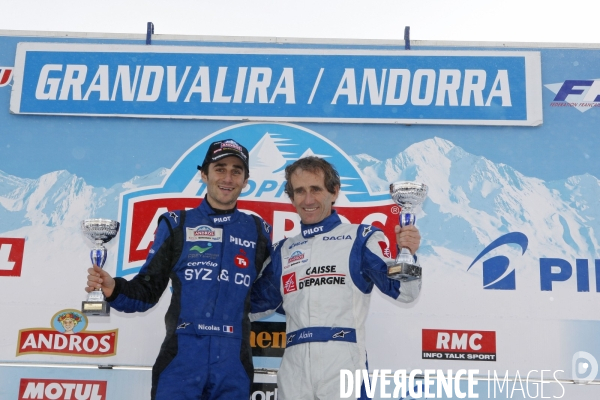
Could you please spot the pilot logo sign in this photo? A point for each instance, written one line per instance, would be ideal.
(496, 271)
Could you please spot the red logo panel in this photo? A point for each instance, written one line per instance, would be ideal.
(11, 256)
(459, 345)
(49, 341)
(144, 212)
(240, 260)
(61, 389)
(289, 283)
(6, 74)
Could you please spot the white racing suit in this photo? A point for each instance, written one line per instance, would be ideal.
(323, 278)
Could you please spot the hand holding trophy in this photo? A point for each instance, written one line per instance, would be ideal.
(407, 195)
(100, 231)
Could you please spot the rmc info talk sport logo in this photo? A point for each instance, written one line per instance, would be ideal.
(272, 147)
(500, 274)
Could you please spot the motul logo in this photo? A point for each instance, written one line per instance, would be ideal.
(459, 345)
(60, 389)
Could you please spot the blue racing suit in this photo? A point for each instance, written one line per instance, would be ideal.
(212, 260)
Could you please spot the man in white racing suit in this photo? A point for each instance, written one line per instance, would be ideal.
(323, 279)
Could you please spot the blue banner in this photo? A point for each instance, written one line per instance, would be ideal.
(431, 87)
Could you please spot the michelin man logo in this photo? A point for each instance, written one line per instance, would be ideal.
(496, 272)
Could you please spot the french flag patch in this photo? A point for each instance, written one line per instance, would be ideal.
(228, 328)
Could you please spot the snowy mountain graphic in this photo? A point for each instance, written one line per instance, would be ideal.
(272, 147)
(61, 200)
(471, 200)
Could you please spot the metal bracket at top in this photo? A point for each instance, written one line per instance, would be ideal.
(149, 32)
(407, 38)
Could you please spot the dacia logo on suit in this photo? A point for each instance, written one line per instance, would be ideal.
(340, 237)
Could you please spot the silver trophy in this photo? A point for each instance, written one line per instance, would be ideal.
(100, 231)
(407, 195)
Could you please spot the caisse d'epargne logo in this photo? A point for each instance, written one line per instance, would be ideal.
(68, 337)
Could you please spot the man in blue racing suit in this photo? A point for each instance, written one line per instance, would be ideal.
(212, 254)
(323, 277)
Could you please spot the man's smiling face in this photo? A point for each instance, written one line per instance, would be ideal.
(224, 182)
(312, 200)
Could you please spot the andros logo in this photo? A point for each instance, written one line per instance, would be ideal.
(272, 147)
(67, 337)
(296, 256)
(496, 272)
(204, 230)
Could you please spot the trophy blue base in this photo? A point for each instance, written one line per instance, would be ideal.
(101, 308)
(401, 271)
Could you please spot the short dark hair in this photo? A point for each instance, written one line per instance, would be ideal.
(313, 164)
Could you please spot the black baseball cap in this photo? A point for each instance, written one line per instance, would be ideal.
(226, 148)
